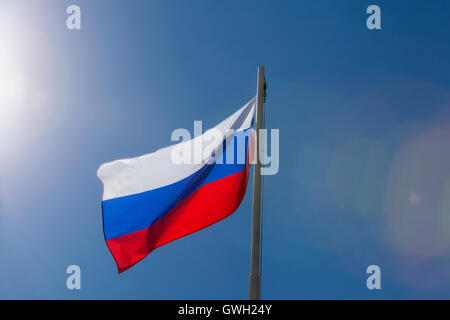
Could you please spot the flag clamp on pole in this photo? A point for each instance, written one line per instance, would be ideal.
(255, 276)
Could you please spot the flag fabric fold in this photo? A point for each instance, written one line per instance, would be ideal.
(151, 200)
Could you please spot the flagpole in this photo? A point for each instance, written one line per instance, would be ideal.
(254, 289)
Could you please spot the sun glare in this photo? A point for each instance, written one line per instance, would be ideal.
(12, 89)
(13, 80)
(23, 72)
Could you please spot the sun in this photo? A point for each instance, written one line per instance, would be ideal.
(12, 90)
(23, 93)
(13, 80)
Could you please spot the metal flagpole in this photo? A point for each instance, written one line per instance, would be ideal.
(254, 289)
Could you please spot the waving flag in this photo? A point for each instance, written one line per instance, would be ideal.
(159, 197)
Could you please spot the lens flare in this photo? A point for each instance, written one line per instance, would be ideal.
(414, 198)
(417, 196)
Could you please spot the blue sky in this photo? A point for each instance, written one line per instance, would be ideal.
(364, 119)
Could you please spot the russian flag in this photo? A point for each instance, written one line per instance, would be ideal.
(159, 197)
